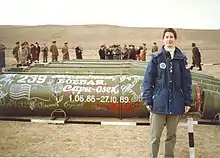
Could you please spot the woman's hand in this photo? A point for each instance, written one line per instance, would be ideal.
(187, 108)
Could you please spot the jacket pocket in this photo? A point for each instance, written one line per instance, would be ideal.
(157, 90)
(159, 103)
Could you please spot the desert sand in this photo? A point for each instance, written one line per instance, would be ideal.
(29, 139)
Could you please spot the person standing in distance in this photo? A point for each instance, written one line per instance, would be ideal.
(2, 55)
(154, 48)
(196, 57)
(166, 92)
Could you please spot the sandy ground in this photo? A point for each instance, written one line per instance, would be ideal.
(34, 140)
(29, 139)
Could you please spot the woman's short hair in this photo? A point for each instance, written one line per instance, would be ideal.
(170, 30)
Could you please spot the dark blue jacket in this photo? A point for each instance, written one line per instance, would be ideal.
(167, 83)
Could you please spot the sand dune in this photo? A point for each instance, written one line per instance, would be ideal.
(92, 36)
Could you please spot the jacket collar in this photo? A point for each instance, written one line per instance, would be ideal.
(177, 53)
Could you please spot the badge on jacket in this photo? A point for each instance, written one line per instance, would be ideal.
(163, 66)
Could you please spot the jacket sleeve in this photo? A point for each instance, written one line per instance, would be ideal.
(149, 83)
(187, 84)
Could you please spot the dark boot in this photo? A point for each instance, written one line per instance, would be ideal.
(191, 67)
(200, 68)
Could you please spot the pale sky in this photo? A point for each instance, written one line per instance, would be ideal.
(189, 14)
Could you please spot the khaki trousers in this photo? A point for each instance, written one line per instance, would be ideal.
(157, 122)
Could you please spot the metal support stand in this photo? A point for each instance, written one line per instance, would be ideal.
(191, 137)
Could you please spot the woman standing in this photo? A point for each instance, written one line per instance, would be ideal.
(166, 92)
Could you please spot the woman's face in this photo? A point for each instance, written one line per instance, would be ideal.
(169, 39)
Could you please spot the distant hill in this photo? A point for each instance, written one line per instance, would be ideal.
(92, 36)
